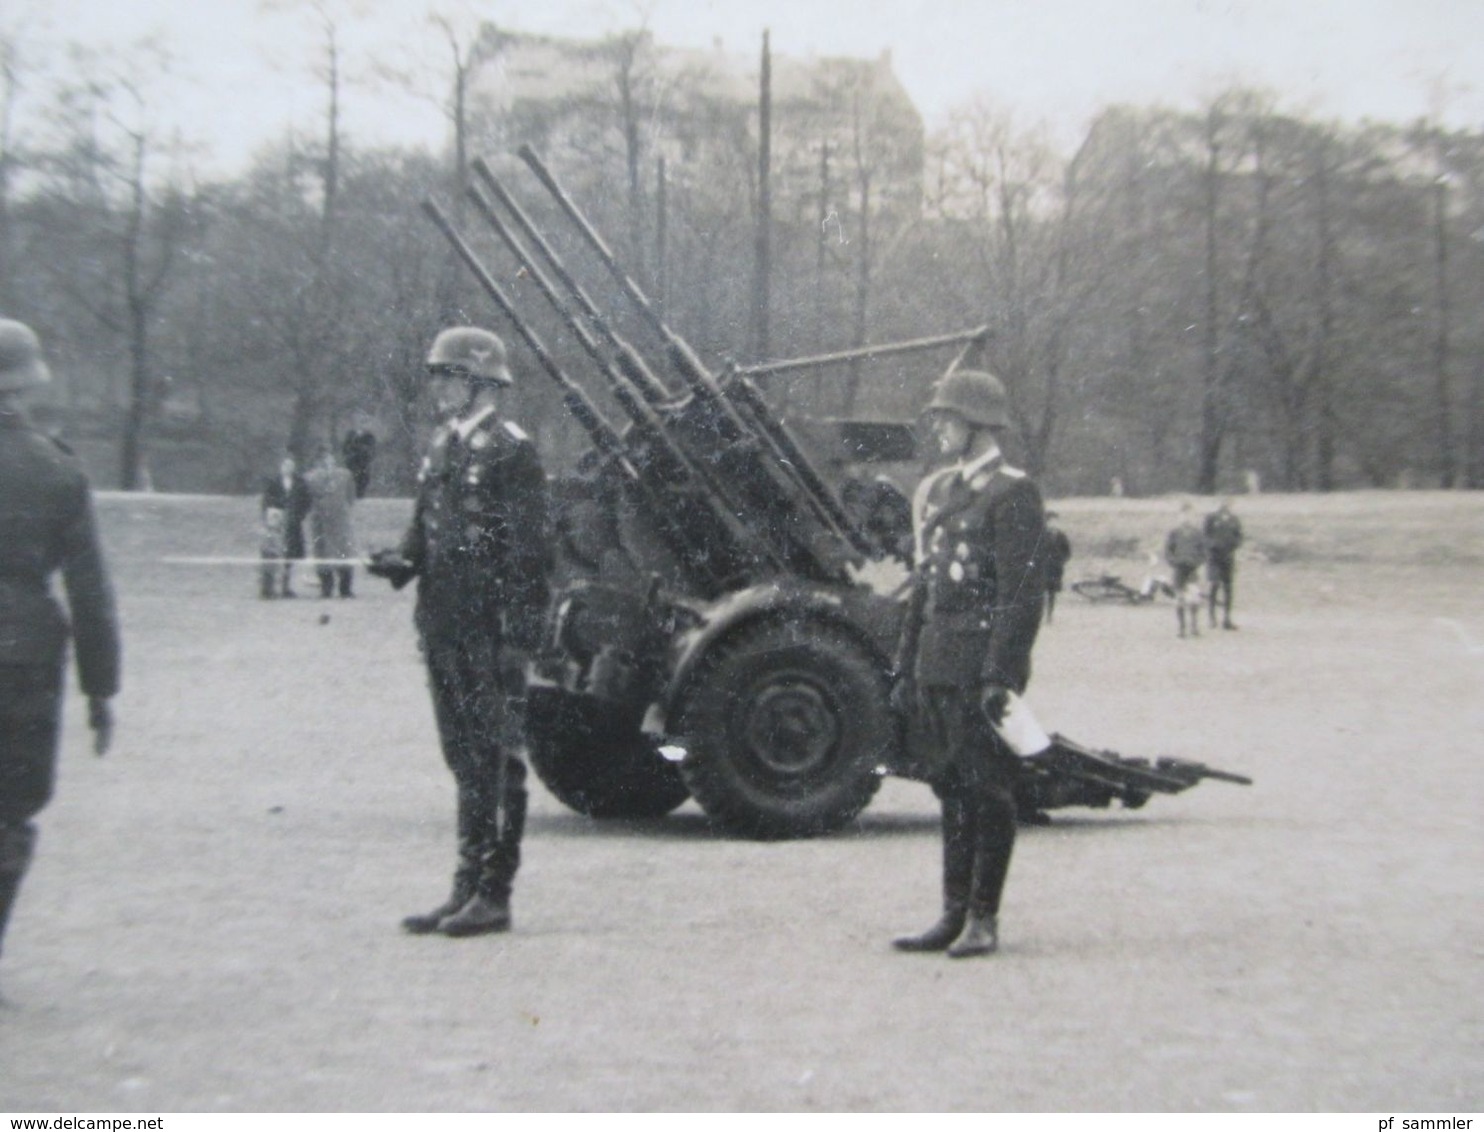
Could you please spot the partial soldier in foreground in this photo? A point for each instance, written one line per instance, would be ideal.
(1223, 532)
(478, 544)
(980, 542)
(46, 525)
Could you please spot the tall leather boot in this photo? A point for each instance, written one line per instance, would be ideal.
(465, 880)
(958, 874)
(993, 808)
(980, 937)
(488, 910)
(17, 842)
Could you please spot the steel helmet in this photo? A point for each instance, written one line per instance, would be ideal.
(976, 396)
(21, 364)
(470, 351)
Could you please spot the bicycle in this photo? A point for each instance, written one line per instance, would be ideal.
(1110, 589)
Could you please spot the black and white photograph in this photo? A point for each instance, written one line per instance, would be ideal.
(810, 556)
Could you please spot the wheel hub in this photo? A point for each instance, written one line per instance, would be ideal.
(791, 729)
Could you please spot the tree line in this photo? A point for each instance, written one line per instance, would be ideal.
(1190, 300)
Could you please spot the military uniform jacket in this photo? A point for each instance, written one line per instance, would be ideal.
(980, 583)
(46, 525)
(479, 540)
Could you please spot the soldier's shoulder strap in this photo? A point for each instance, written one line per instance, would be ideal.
(997, 479)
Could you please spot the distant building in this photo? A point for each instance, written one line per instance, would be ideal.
(629, 100)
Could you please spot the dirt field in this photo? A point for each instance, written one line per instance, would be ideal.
(211, 920)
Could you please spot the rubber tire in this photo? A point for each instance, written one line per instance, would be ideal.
(812, 675)
(1099, 592)
(596, 768)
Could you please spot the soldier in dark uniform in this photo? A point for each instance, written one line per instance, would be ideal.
(1223, 532)
(46, 525)
(980, 542)
(479, 547)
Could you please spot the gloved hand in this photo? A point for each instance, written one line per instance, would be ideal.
(100, 719)
(390, 564)
(994, 701)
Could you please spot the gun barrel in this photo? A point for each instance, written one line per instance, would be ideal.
(678, 465)
(1197, 771)
(740, 405)
(650, 387)
(840, 357)
(605, 438)
(621, 390)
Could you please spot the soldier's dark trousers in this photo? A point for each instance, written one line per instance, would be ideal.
(977, 790)
(476, 730)
(30, 712)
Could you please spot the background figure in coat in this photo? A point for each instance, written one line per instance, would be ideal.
(1058, 554)
(358, 451)
(479, 547)
(46, 526)
(975, 609)
(1223, 531)
(288, 493)
(332, 497)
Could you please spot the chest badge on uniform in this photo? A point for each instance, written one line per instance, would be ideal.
(479, 440)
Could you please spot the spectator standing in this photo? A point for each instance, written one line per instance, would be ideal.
(1058, 554)
(1223, 532)
(287, 492)
(46, 527)
(270, 548)
(358, 451)
(1185, 551)
(332, 496)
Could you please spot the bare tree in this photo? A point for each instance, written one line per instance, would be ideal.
(127, 224)
(1015, 205)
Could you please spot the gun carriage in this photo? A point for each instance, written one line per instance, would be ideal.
(724, 621)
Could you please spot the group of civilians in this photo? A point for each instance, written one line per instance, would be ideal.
(325, 497)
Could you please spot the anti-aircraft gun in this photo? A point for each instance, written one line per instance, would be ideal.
(724, 623)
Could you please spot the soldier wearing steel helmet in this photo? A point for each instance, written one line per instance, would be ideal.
(46, 526)
(979, 541)
(478, 546)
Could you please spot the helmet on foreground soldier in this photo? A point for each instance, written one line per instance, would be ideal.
(21, 364)
(978, 397)
(470, 351)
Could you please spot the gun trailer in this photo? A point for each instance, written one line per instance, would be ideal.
(724, 619)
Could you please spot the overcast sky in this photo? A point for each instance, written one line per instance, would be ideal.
(243, 70)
